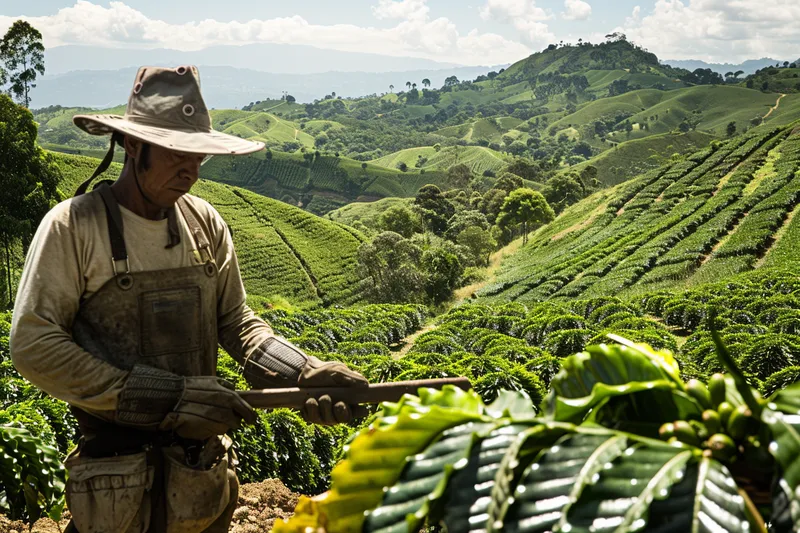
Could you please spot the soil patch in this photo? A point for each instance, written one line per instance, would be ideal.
(260, 505)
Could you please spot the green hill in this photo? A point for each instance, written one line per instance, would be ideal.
(724, 210)
(477, 158)
(612, 105)
(318, 183)
(366, 212)
(283, 251)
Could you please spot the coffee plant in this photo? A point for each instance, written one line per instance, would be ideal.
(621, 443)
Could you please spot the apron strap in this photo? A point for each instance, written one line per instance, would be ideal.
(115, 232)
(194, 227)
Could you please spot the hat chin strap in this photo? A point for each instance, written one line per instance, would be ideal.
(102, 167)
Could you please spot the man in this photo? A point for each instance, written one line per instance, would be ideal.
(127, 291)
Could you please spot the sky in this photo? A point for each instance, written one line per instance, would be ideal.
(468, 32)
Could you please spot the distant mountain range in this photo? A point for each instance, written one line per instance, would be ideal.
(266, 57)
(233, 76)
(748, 67)
(230, 87)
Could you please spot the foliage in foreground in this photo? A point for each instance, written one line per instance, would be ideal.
(620, 444)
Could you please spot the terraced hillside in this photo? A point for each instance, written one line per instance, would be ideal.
(728, 209)
(318, 183)
(284, 252)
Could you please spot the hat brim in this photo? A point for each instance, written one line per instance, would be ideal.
(192, 142)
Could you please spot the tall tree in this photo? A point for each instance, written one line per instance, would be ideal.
(29, 183)
(526, 208)
(391, 88)
(426, 83)
(408, 85)
(22, 52)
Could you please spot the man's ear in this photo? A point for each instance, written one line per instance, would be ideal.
(132, 146)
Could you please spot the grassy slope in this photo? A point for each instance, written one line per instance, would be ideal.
(705, 218)
(366, 212)
(633, 157)
(284, 252)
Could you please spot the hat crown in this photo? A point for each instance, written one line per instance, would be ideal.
(169, 98)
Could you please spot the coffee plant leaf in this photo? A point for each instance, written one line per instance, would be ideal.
(647, 378)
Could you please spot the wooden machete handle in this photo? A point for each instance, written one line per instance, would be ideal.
(295, 397)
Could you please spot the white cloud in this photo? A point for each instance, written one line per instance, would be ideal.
(121, 26)
(402, 9)
(523, 15)
(718, 30)
(576, 10)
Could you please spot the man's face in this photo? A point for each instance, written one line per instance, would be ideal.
(169, 175)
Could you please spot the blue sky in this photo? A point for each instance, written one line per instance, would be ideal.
(475, 32)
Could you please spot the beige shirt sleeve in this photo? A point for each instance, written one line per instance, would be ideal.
(48, 297)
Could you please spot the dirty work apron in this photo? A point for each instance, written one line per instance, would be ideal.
(123, 479)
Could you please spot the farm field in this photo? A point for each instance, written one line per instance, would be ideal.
(663, 251)
(713, 215)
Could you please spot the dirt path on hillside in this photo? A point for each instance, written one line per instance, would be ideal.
(722, 240)
(773, 108)
(778, 236)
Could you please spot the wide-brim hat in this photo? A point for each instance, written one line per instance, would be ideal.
(166, 108)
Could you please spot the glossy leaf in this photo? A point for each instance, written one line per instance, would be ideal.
(782, 416)
(376, 457)
(588, 380)
(425, 477)
(608, 481)
(31, 476)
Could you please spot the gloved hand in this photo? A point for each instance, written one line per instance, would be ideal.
(279, 363)
(194, 407)
(322, 410)
(209, 406)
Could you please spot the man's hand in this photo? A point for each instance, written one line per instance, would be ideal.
(278, 363)
(322, 410)
(193, 407)
(209, 406)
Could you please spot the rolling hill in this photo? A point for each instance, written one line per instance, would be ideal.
(724, 210)
(284, 252)
(612, 105)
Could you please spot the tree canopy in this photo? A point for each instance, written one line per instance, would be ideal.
(526, 208)
(29, 181)
(22, 52)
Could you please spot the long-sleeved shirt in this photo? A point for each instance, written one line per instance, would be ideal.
(70, 259)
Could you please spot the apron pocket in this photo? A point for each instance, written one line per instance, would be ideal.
(171, 321)
(195, 498)
(106, 495)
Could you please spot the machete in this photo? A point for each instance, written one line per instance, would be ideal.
(295, 397)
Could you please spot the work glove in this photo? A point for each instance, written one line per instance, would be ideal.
(279, 363)
(322, 410)
(197, 407)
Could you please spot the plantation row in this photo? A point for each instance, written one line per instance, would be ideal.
(714, 214)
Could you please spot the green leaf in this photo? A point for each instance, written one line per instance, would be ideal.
(490, 470)
(515, 404)
(648, 379)
(31, 476)
(377, 455)
(782, 416)
(600, 480)
(425, 479)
